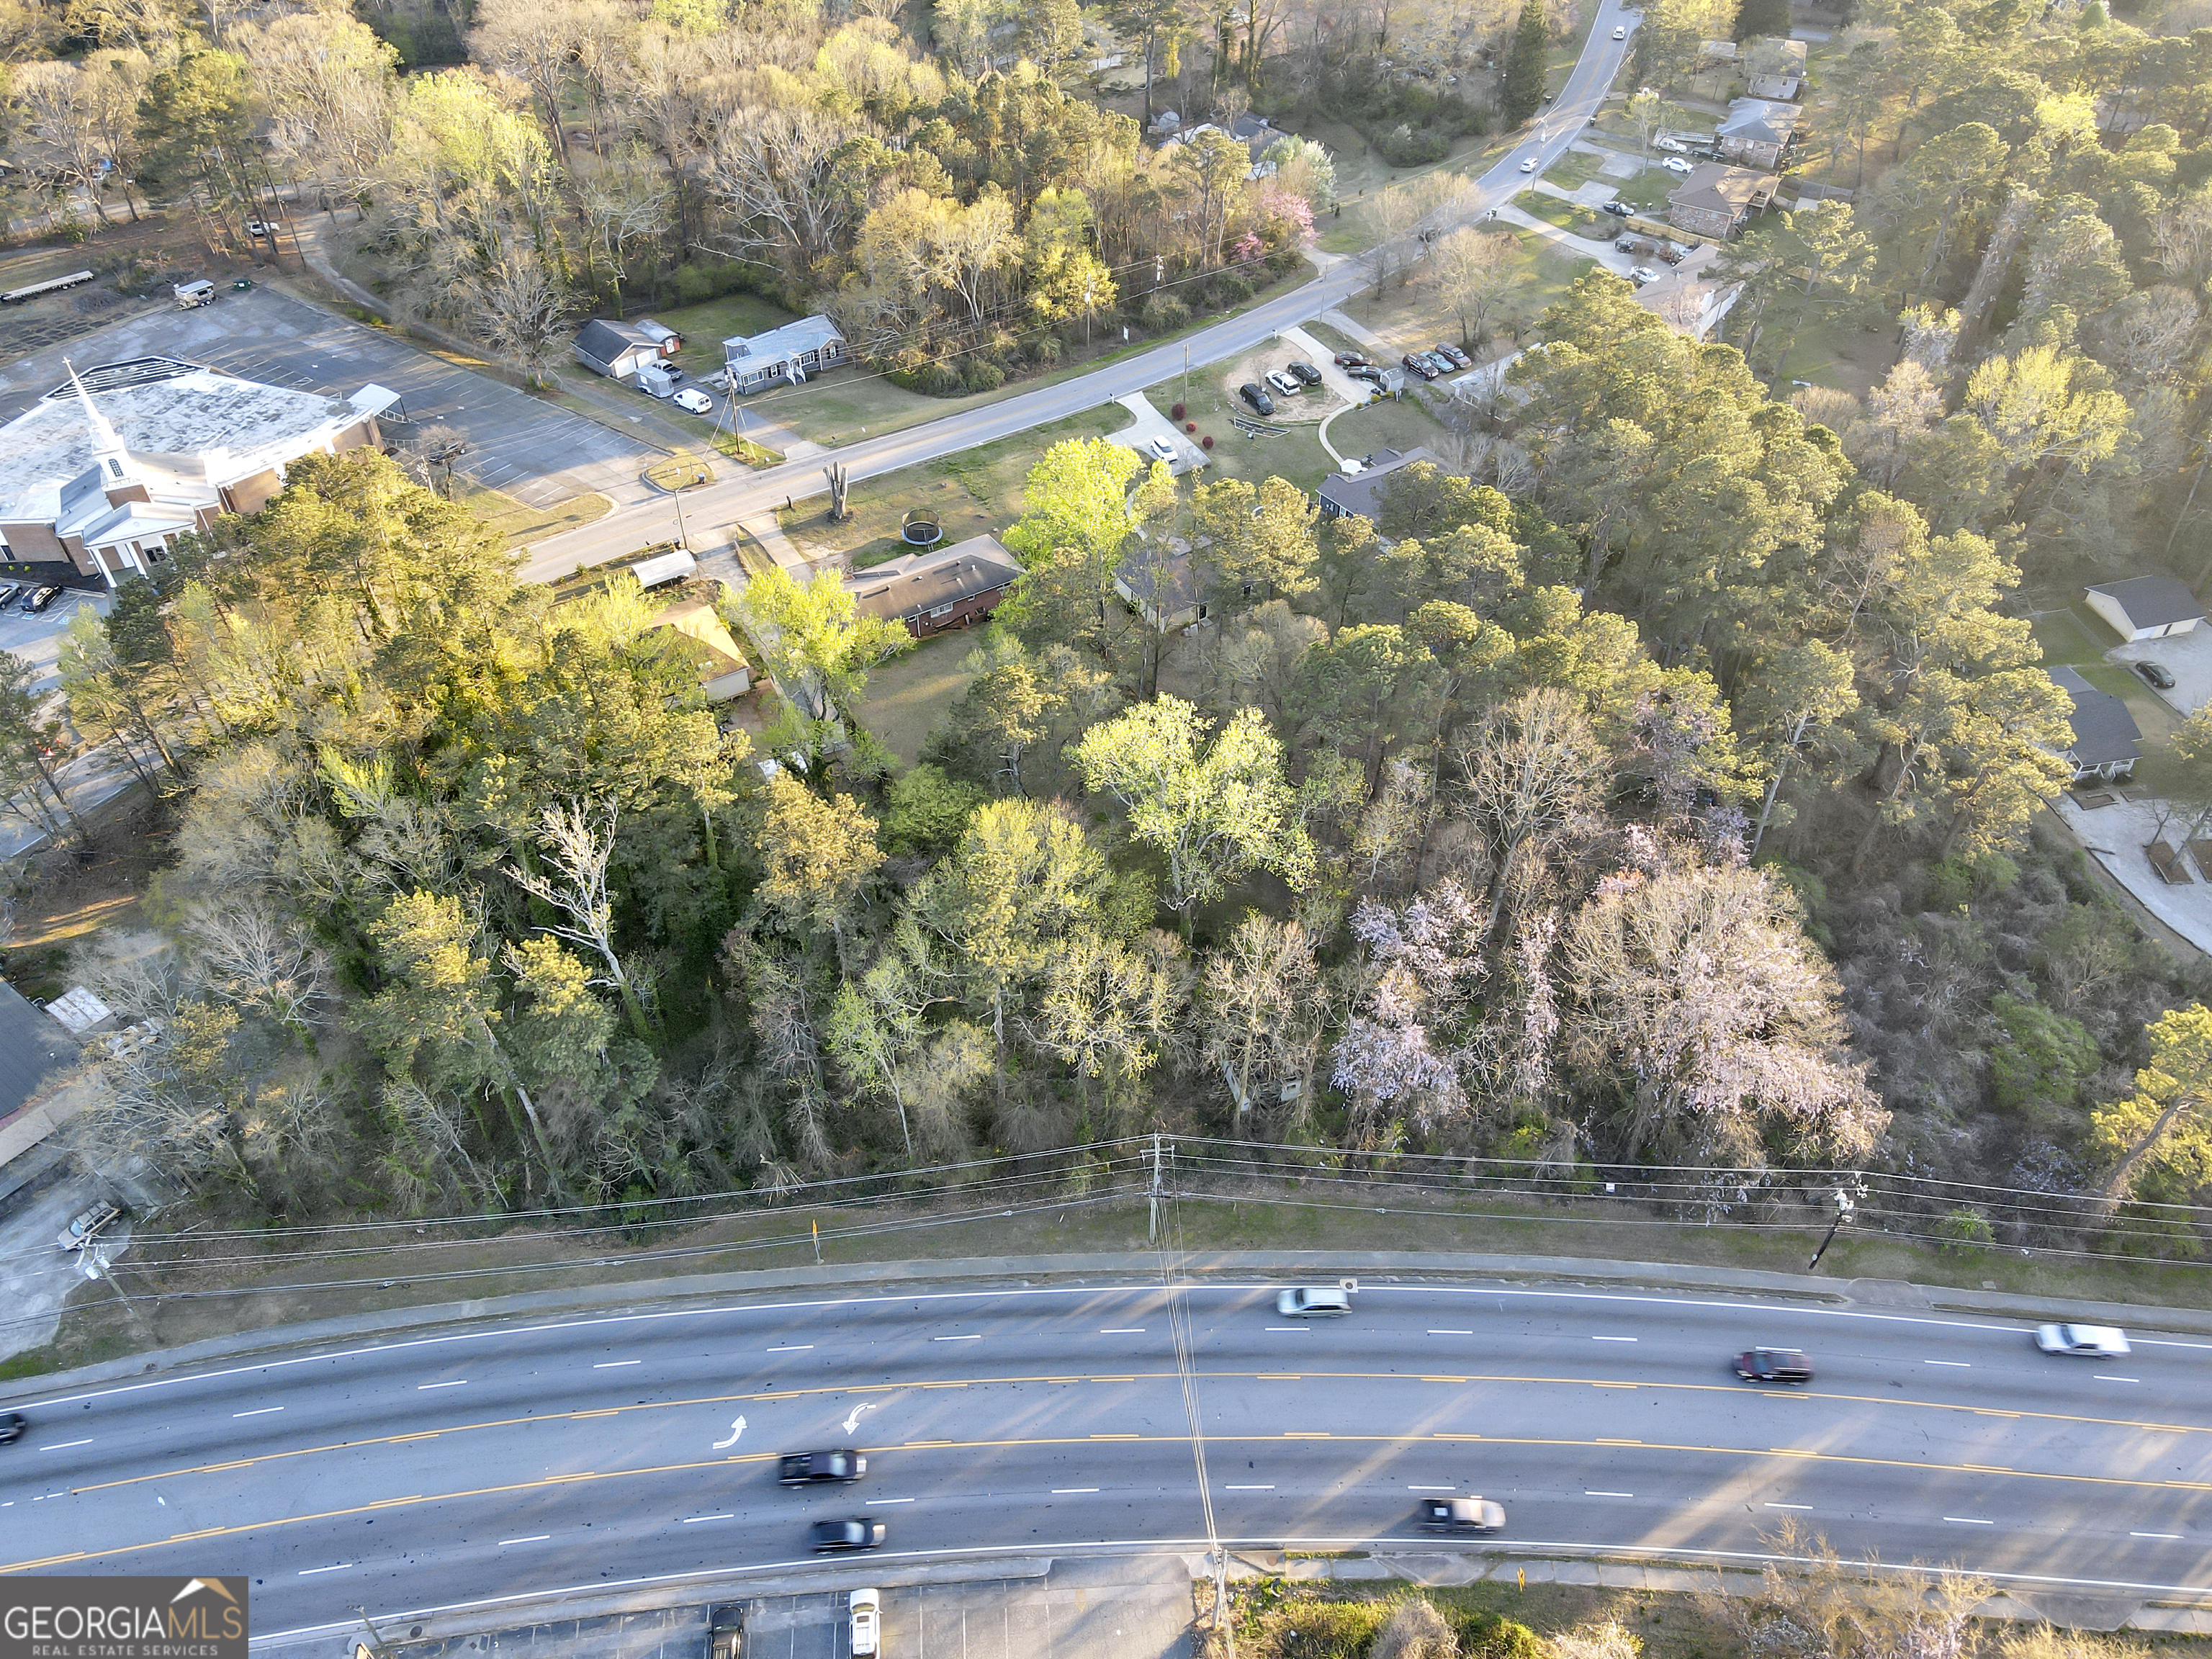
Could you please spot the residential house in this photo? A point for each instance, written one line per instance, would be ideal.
(1774, 68)
(1690, 298)
(1716, 199)
(947, 587)
(101, 475)
(2105, 742)
(1714, 78)
(790, 352)
(1162, 589)
(2146, 607)
(1758, 132)
(36, 1053)
(632, 353)
(708, 641)
(1258, 135)
(1359, 495)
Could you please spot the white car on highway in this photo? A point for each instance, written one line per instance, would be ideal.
(1621, 34)
(695, 400)
(868, 1624)
(2097, 1341)
(1528, 165)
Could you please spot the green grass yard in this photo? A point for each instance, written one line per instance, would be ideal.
(907, 694)
(1569, 216)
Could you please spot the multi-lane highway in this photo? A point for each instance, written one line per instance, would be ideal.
(734, 499)
(581, 1453)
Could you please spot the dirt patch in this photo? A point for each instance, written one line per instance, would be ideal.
(66, 895)
(1309, 407)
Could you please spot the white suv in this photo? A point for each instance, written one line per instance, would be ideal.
(867, 1624)
(2097, 1341)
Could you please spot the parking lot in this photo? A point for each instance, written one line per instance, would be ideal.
(530, 449)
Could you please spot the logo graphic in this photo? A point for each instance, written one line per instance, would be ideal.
(135, 1616)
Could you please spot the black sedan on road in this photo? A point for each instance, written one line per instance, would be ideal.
(862, 1532)
(1774, 1366)
(12, 1424)
(811, 1468)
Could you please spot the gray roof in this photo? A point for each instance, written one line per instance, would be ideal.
(807, 334)
(1759, 120)
(1716, 187)
(604, 341)
(922, 581)
(36, 1052)
(2153, 601)
(1362, 493)
(2103, 729)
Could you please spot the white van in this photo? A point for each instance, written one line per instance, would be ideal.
(867, 1624)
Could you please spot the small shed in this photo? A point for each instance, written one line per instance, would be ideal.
(2146, 607)
(932, 592)
(722, 671)
(2106, 743)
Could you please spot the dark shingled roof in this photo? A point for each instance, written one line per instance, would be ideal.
(2104, 730)
(2152, 601)
(603, 341)
(921, 582)
(1361, 494)
(35, 1051)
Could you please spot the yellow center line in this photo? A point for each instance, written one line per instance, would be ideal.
(543, 1483)
(768, 1395)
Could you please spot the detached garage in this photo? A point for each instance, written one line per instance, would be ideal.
(2147, 607)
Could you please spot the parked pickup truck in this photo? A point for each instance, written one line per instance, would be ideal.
(807, 1468)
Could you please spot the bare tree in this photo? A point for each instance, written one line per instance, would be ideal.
(1261, 1008)
(578, 839)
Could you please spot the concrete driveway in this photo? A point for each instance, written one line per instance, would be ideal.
(2187, 657)
(37, 1276)
(1150, 424)
(1352, 391)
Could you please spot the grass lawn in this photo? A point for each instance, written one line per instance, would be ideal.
(520, 523)
(1648, 189)
(907, 695)
(1348, 231)
(1389, 423)
(1414, 315)
(1573, 168)
(1569, 216)
(704, 327)
(973, 492)
(1335, 339)
(2066, 638)
(1294, 452)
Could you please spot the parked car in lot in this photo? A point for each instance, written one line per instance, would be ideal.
(725, 1631)
(1634, 245)
(1161, 450)
(866, 1609)
(10, 594)
(2096, 1341)
(1420, 363)
(88, 1223)
(12, 1424)
(1349, 360)
(1453, 355)
(1303, 373)
(1617, 210)
(1640, 275)
(812, 1468)
(1285, 383)
(1313, 1302)
(696, 401)
(1366, 372)
(2156, 673)
(1253, 394)
(1461, 1515)
(862, 1532)
(1676, 164)
(24, 595)
(1774, 1366)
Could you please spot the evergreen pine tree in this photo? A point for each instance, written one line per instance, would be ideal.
(1523, 87)
(1757, 17)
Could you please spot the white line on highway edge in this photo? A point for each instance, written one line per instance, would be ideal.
(1071, 1492)
(793, 1347)
(309, 1572)
(1300, 1329)
(2163, 1537)
(694, 1520)
(534, 1538)
(1121, 1330)
(64, 1445)
(1613, 1338)
(973, 1336)
(1790, 1506)
(1950, 1365)
(611, 1364)
(1414, 1488)
(1247, 1489)
(1451, 1333)
(1587, 1492)
(2106, 1377)
(1968, 1521)
(458, 1383)
(879, 1501)
(259, 1411)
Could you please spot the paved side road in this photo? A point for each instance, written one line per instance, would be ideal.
(1137, 1608)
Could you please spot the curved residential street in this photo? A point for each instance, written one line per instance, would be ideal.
(628, 529)
(435, 1473)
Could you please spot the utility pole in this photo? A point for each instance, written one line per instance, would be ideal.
(698, 477)
(376, 1646)
(1152, 1226)
(1843, 1214)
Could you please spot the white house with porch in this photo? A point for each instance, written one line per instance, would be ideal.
(105, 472)
(790, 352)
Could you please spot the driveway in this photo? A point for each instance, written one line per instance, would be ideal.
(1149, 424)
(1352, 391)
(2188, 657)
(532, 450)
(36, 1275)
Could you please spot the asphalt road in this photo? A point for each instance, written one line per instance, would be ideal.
(525, 1461)
(724, 503)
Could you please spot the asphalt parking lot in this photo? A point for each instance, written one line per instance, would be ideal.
(531, 450)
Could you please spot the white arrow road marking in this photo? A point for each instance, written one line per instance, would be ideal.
(736, 1428)
(853, 1422)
